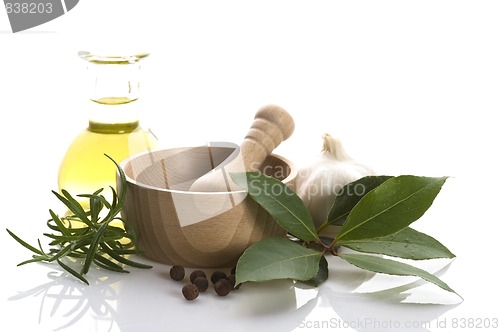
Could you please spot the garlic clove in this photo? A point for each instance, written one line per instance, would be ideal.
(319, 183)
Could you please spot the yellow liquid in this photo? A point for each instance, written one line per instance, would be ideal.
(86, 169)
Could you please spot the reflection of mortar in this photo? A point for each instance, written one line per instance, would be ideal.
(197, 229)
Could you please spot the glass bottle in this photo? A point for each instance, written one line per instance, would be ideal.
(113, 127)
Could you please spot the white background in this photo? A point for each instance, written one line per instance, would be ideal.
(410, 87)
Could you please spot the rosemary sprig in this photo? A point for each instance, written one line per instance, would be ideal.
(86, 237)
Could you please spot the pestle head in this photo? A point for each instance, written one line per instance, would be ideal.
(272, 125)
(280, 117)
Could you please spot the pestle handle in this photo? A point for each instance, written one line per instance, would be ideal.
(271, 126)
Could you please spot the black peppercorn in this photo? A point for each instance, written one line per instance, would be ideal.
(201, 283)
(217, 275)
(195, 274)
(222, 287)
(177, 272)
(190, 292)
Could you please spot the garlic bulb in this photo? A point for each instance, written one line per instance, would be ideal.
(319, 183)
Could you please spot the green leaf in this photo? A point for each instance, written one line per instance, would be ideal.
(408, 243)
(96, 206)
(25, 244)
(94, 245)
(280, 201)
(389, 266)
(61, 239)
(100, 198)
(33, 260)
(123, 260)
(61, 253)
(72, 272)
(390, 207)
(322, 274)
(118, 269)
(59, 223)
(108, 264)
(73, 206)
(114, 201)
(122, 187)
(277, 258)
(350, 195)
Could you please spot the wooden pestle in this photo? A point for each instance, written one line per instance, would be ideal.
(271, 126)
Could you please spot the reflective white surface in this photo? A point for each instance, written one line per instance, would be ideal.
(410, 88)
(149, 300)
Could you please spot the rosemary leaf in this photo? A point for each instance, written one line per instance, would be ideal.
(59, 224)
(72, 272)
(33, 260)
(73, 206)
(108, 264)
(24, 244)
(123, 260)
(94, 247)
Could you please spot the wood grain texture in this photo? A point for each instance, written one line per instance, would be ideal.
(176, 226)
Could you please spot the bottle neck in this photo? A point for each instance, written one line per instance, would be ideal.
(114, 86)
(114, 115)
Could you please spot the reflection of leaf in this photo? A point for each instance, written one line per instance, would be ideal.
(280, 201)
(389, 266)
(74, 301)
(404, 294)
(407, 243)
(350, 195)
(277, 258)
(390, 207)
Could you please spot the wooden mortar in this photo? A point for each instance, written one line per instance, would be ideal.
(177, 226)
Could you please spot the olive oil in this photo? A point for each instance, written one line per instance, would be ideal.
(86, 169)
(113, 128)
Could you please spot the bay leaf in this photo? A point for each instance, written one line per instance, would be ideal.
(390, 207)
(322, 274)
(280, 201)
(277, 258)
(350, 195)
(408, 244)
